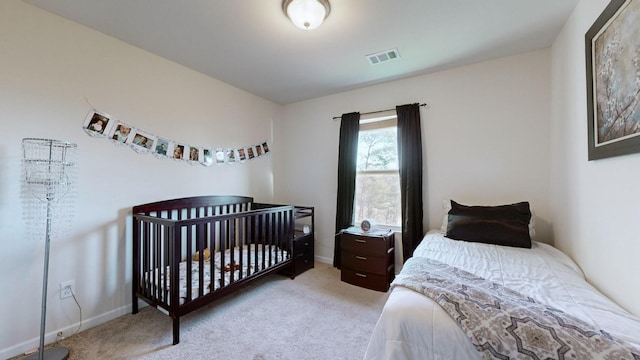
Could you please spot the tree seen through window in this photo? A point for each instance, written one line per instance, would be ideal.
(377, 180)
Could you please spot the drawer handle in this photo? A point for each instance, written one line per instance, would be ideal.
(361, 258)
(361, 241)
(361, 275)
(306, 244)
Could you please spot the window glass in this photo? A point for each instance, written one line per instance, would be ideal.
(378, 180)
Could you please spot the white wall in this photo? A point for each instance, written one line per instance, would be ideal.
(595, 203)
(47, 67)
(485, 135)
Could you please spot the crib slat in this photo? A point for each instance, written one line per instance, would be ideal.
(189, 273)
(200, 248)
(164, 253)
(263, 235)
(212, 244)
(232, 247)
(154, 259)
(241, 246)
(223, 252)
(175, 247)
(160, 291)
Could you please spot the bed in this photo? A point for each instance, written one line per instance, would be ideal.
(192, 251)
(415, 326)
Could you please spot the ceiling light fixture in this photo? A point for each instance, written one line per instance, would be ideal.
(306, 14)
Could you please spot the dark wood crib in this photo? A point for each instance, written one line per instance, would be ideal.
(191, 251)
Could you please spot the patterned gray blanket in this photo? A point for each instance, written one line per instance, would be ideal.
(503, 324)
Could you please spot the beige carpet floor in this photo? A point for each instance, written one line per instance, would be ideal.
(315, 316)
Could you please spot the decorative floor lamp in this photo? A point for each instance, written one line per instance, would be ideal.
(48, 190)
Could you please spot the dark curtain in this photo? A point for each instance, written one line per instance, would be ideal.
(410, 161)
(347, 163)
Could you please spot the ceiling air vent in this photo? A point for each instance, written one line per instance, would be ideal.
(383, 56)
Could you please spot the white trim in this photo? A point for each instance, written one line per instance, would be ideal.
(379, 122)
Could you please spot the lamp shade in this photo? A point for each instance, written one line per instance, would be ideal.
(306, 14)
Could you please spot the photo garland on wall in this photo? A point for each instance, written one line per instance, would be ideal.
(100, 124)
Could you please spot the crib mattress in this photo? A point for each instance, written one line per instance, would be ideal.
(224, 270)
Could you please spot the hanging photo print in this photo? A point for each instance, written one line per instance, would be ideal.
(101, 124)
(161, 148)
(120, 134)
(178, 151)
(231, 156)
(97, 123)
(194, 155)
(219, 156)
(142, 141)
(207, 157)
(242, 156)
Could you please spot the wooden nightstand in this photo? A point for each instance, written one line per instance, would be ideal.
(367, 259)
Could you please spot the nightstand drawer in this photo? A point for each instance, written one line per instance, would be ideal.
(302, 264)
(363, 245)
(366, 263)
(364, 279)
(303, 245)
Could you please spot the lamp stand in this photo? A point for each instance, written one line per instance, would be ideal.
(47, 177)
(56, 353)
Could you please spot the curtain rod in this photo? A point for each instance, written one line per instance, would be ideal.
(379, 111)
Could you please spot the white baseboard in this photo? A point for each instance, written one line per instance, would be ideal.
(323, 260)
(52, 336)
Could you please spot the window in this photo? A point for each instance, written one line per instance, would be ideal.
(377, 194)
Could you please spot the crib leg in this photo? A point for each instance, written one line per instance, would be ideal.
(134, 305)
(176, 330)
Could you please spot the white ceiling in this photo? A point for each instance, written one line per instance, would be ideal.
(251, 45)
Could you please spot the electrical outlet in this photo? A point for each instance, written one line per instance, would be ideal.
(67, 289)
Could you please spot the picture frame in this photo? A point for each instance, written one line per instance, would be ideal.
(613, 81)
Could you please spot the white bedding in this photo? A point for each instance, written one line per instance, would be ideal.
(412, 326)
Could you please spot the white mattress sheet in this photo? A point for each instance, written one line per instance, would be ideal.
(412, 326)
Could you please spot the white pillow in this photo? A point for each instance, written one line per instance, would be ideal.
(446, 206)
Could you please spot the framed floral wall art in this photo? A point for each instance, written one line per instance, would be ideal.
(613, 80)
